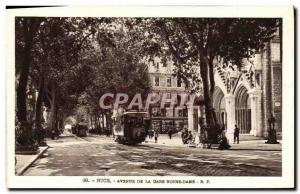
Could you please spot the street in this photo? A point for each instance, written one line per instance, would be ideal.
(100, 156)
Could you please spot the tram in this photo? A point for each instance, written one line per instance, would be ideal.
(80, 129)
(131, 127)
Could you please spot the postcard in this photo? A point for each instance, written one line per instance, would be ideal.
(157, 97)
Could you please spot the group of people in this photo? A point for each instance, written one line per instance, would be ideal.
(153, 133)
(187, 136)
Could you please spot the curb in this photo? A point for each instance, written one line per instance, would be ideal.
(232, 148)
(33, 159)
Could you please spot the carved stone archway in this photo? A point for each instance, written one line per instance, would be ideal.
(219, 106)
(243, 110)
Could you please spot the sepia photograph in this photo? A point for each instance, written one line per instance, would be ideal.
(150, 100)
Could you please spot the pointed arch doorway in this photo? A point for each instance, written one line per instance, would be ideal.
(219, 106)
(243, 110)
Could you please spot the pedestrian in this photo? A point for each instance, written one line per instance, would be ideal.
(52, 134)
(184, 135)
(170, 132)
(151, 134)
(236, 134)
(147, 126)
(224, 145)
(189, 138)
(107, 132)
(156, 135)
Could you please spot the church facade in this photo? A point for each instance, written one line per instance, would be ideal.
(247, 97)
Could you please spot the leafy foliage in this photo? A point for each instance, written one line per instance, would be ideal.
(196, 42)
(68, 59)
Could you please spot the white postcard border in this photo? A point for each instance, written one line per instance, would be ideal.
(287, 179)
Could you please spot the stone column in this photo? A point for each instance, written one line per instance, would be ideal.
(230, 110)
(256, 116)
(266, 87)
(190, 118)
(200, 114)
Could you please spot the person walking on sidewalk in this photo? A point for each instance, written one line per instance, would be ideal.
(189, 138)
(156, 132)
(184, 135)
(53, 134)
(170, 132)
(236, 134)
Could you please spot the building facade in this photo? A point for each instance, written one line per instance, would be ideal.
(165, 83)
(246, 96)
(249, 96)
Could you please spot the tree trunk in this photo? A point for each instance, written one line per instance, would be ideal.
(21, 90)
(209, 112)
(109, 122)
(102, 115)
(95, 123)
(206, 93)
(52, 100)
(98, 123)
(38, 107)
(211, 76)
(57, 118)
(30, 27)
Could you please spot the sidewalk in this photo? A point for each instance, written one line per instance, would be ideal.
(163, 139)
(255, 144)
(24, 161)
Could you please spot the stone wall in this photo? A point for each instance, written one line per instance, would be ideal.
(272, 85)
(276, 83)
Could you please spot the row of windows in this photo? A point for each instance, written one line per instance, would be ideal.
(157, 82)
(169, 112)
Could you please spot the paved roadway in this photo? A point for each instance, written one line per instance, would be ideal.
(99, 156)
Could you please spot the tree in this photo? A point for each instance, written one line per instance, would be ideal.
(115, 65)
(60, 41)
(196, 42)
(46, 48)
(26, 29)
